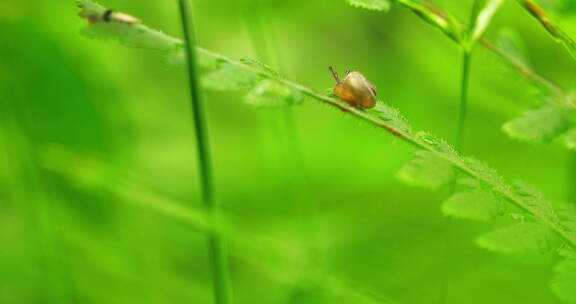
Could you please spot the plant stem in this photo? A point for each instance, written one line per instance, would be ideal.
(463, 109)
(435, 17)
(529, 73)
(450, 27)
(557, 33)
(458, 142)
(216, 244)
(467, 46)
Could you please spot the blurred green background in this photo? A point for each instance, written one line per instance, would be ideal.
(101, 234)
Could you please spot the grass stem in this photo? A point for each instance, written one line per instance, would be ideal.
(216, 244)
(467, 46)
(464, 91)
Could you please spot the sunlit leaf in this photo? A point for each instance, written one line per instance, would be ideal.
(564, 281)
(474, 202)
(269, 93)
(534, 200)
(426, 170)
(229, 77)
(484, 171)
(439, 145)
(393, 116)
(521, 238)
(259, 65)
(541, 124)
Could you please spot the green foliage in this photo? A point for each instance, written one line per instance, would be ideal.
(541, 124)
(426, 170)
(475, 202)
(437, 17)
(131, 34)
(334, 291)
(89, 5)
(439, 145)
(229, 77)
(535, 202)
(435, 163)
(431, 168)
(377, 5)
(567, 216)
(392, 116)
(565, 278)
(550, 26)
(521, 238)
(269, 93)
(570, 139)
(89, 172)
(260, 66)
(484, 171)
(554, 116)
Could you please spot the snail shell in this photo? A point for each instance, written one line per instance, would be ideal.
(355, 90)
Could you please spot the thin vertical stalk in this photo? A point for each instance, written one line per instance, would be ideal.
(464, 91)
(216, 245)
(458, 143)
(467, 46)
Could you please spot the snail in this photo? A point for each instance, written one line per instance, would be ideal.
(355, 89)
(110, 15)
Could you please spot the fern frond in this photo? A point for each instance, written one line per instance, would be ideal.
(564, 278)
(451, 27)
(269, 93)
(426, 170)
(542, 124)
(521, 238)
(393, 117)
(535, 201)
(423, 141)
(227, 77)
(474, 202)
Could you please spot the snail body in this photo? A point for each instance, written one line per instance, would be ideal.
(355, 90)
